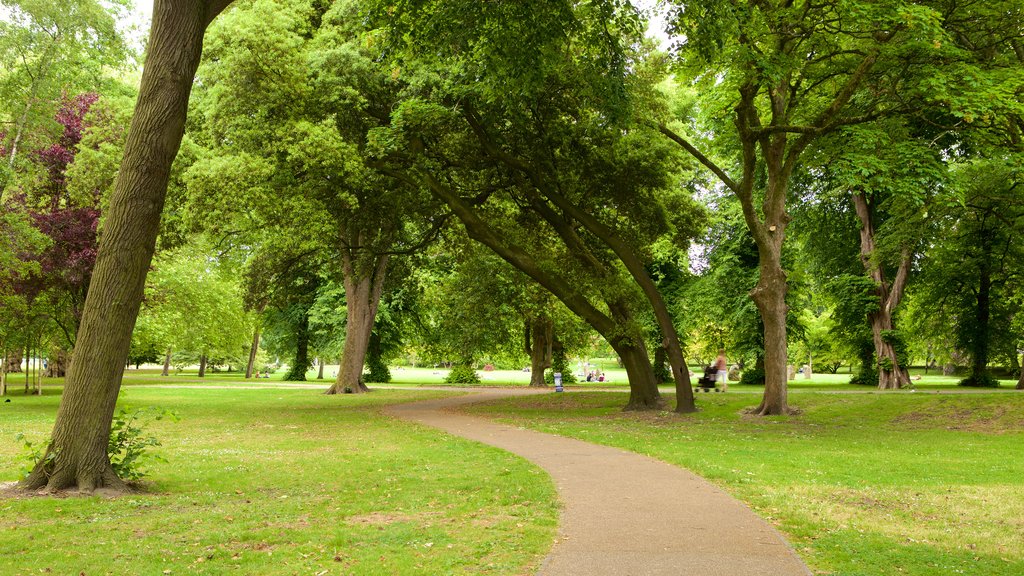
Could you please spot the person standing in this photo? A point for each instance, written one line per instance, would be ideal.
(722, 369)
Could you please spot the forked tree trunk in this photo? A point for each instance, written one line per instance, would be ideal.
(167, 364)
(77, 455)
(363, 289)
(202, 366)
(539, 342)
(891, 375)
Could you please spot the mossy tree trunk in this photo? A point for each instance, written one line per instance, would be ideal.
(77, 455)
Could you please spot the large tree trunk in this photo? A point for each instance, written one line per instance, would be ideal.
(202, 366)
(539, 342)
(363, 289)
(770, 297)
(643, 386)
(320, 369)
(77, 455)
(891, 375)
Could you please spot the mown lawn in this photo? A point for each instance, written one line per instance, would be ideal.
(283, 482)
(862, 484)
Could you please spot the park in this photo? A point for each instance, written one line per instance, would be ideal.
(438, 287)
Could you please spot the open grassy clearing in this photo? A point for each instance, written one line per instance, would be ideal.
(284, 482)
(863, 484)
(427, 376)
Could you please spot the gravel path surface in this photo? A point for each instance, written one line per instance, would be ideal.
(624, 514)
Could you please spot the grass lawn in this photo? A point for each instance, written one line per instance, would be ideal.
(281, 481)
(862, 484)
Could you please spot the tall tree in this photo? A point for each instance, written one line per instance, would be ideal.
(791, 73)
(77, 454)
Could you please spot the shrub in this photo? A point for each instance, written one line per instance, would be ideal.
(462, 374)
(983, 380)
(379, 371)
(754, 377)
(129, 445)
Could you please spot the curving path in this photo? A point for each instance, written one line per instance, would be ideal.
(624, 514)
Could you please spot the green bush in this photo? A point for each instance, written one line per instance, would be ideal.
(559, 363)
(753, 377)
(129, 445)
(462, 374)
(379, 371)
(984, 380)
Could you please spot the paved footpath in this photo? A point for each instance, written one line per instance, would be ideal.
(624, 514)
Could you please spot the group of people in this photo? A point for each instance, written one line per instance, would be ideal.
(595, 376)
(265, 374)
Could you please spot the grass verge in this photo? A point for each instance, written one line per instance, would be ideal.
(862, 484)
(284, 482)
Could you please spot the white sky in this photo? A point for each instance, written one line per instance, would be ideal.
(142, 11)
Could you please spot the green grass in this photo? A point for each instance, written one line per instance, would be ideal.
(284, 482)
(863, 484)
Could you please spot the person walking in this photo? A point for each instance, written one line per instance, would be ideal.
(722, 369)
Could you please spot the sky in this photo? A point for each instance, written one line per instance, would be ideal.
(143, 9)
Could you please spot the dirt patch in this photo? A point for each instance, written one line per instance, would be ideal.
(382, 519)
(985, 419)
(10, 491)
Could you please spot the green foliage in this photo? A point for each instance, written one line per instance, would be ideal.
(462, 374)
(559, 363)
(983, 380)
(128, 448)
(753, 376)
(33, 454)
(129, 445)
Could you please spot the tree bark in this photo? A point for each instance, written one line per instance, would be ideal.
(363, 289)
(1020, 381)
(300, 363)
(253, 349)
(167, 364)
(202, 366)
(13, 360)
(770, 297)
(539, 342)
(320, 369)
(891, 375)
(981, 337)
(77, 455)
